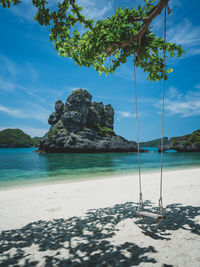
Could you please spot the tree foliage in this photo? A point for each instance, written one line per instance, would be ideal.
(105, 44)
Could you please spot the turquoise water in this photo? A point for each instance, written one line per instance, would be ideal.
(23, 166)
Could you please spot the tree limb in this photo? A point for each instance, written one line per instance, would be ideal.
(147, 21)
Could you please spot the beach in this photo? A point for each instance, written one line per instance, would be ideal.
(95, 222)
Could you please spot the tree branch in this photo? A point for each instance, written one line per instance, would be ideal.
(147, 21)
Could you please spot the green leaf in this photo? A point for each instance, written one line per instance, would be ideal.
(169, 70)
(119, 11)
(172, 53)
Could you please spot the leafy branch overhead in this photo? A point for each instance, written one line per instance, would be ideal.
(107, 43)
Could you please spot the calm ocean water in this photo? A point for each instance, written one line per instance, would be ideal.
(23, 166)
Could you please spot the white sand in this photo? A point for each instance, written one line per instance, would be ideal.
(110, 235)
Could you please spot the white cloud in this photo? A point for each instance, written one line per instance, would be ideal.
(32, 72)
(185, 106)
(184, 33)
(7, 85)
(11, 72)
(124, 114)
(125, 71)
(41, 115)
(95, 9)
(175, 3)
(25, 10)
(147, 100)
(187, 35)
(91, 8)
(12, 112)
(30, 131)
(173, 92)
(7, 66)
(34, 131)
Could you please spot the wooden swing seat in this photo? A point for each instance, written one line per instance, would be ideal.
(145, 214)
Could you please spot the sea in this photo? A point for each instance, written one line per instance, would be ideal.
(23, 166)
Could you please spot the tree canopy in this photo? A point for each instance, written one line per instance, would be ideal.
(106, 44)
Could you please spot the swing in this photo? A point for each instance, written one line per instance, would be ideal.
(159, 216)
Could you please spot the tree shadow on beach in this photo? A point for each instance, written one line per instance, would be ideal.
(177, 217)
(87, 241)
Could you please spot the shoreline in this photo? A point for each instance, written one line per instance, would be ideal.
(72, 222)
(62, 180)
(149, 179)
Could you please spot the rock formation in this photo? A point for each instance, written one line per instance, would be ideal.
(186, 143)
(81, 126)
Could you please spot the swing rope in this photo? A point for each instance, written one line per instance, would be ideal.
(138, 144)
(160, 202)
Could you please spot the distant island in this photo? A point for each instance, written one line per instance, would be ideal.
(82, 126)
(16, 138)
(154, 143)
(185, 143)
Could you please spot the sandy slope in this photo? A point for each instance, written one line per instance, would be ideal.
(53, 225)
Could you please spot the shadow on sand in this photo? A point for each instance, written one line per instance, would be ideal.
(85, 241)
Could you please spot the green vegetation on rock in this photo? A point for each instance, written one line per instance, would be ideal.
(17, 138)
(77, 91)
(154, 143)
(52, 132)
(104, 131)
(186, 140)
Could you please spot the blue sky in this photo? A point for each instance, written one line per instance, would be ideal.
(33, 76)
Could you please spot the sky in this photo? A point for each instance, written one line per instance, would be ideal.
(33, 77)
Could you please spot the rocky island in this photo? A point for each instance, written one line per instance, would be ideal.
(16, 138)
(83, 126)
(155, 142)
(185, 143)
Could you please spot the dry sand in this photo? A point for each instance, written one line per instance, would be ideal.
(95, 223)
